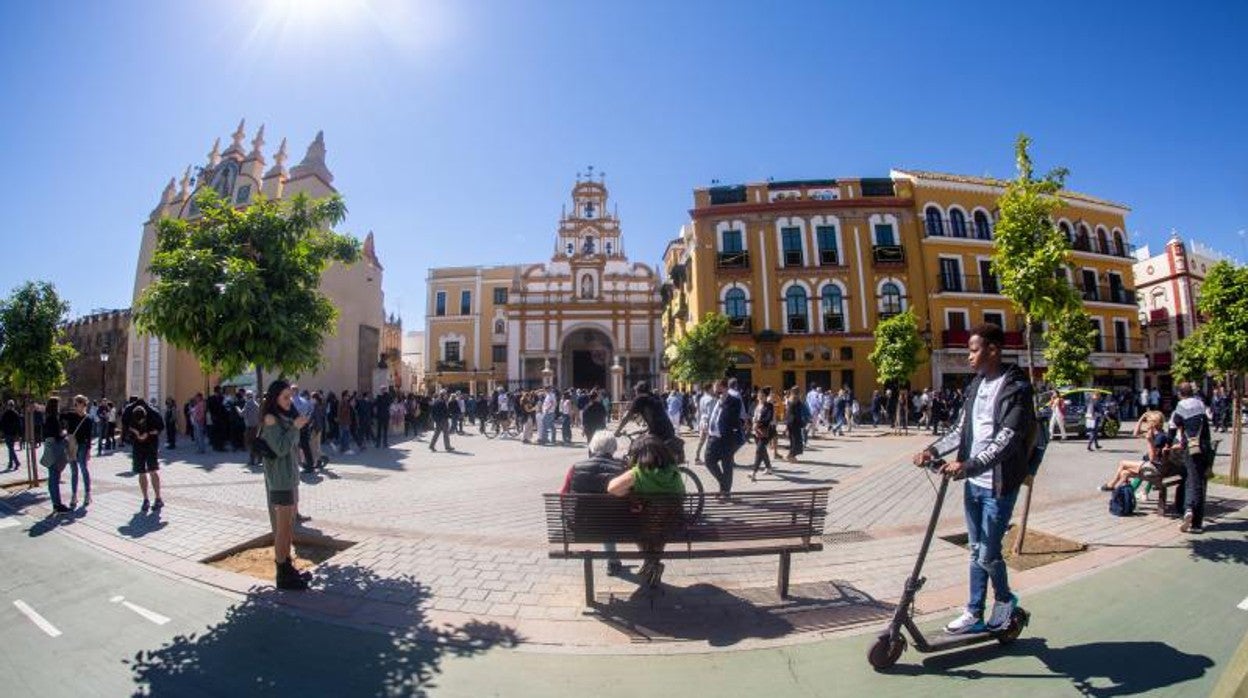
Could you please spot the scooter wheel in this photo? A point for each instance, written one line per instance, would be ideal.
(885, 652)
(1018, 621)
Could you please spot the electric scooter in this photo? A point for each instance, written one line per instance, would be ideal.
(891, 643)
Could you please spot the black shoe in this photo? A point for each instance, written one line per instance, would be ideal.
(61, 509)
(160, 504)
(300, 518)
(146, 505)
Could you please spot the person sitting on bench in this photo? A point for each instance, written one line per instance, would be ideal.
(1152, 427)
(654, 472)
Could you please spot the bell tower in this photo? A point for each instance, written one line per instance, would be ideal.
(589, 237)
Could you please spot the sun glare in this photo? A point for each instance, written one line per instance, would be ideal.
(400, 24)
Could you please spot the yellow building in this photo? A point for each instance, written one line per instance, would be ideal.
(587, 318)
(805, 270)
(957, 216)
(156, 370)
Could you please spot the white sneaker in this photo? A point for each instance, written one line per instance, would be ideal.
(966, 623)
(1001, 612)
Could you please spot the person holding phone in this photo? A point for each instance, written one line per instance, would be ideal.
(280, 430)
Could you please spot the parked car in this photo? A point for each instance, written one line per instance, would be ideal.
(1076, 400)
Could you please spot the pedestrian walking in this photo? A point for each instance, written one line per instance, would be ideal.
(1057, 419)
(725, 436)
(764, 431)
(54, 456)
(1191, 427)
(145, 426)
(1092, 421)
(80, 429)
(11, 427)
(441, 422)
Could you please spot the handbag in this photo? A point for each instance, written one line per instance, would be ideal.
(53, 453)
(261, 448)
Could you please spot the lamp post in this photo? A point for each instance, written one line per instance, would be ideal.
(104, 371)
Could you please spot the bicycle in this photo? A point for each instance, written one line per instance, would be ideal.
(492, 427)
(695, 495)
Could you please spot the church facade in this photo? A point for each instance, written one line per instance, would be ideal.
(350, 356)
(586, 318)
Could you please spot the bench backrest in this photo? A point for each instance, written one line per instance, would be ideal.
(765, 515)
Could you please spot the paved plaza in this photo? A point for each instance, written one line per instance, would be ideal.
(458, 539)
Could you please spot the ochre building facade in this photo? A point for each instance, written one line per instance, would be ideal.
(805, 270)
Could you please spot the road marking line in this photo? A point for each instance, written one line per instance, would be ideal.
(37, 619)
(148, 614)
(10, 522)
(1243, 605)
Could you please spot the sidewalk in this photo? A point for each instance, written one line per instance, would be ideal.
(461, 535)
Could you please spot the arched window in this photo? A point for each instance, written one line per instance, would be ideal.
(1120, 245)
(1065, 228)
(890, 299)
(1102, 240)
(833, 309)
(935, 226)
(957, 222)
(983, 229)
(795, 309)
(1081, 239)
(734, 304)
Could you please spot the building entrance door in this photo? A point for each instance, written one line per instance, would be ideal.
(586, 359)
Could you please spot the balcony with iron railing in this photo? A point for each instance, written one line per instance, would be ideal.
(797, 324)
(958, 283)
(795, 259)
(1111, 247)
(1102, 293)
(449, 365)
(966, 229)
(833, 322)
(741, 324)
(733, 260)
(888, 255)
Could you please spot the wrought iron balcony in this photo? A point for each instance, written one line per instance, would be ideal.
(798, 324)
(734, 260)
(829, 258)
(956, 283)
(740, 325)
(833, 322)
(888, 254)
(1107, 294)
(450, 365)
(965, 228)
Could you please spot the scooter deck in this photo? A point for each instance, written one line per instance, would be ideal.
(945, 641)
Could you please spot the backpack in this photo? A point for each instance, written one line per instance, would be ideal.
(1122, 501)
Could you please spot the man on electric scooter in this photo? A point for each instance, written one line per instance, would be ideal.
(990, 438)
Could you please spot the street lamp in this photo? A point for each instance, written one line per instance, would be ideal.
(103, 371)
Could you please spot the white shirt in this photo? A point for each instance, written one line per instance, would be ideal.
(503, 405)
(705, 405)
(982, 424)
(548, 404)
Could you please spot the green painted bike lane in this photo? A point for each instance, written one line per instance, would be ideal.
(1164, 624)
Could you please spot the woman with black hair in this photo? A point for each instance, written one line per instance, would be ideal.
(279, 431)
(54, 457)
(654, 472)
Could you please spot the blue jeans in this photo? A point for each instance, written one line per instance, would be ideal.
(987, 517)
(547, 434)
(76, 464)
(201, 437)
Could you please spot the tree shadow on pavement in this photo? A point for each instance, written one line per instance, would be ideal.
(260, 649)
(723, 617)
(1098, 669)
(1216, 548)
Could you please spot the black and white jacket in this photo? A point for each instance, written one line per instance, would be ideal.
(1013, 418)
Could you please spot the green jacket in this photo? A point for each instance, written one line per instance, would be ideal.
(281, 473)
(657, 481)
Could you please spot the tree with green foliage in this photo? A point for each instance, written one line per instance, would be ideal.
(1029, 251)
(241, 287)
(1224, 338)
(896, 354)
(1191, 358)
(33, 353)
(702, 353)
(1069, 343)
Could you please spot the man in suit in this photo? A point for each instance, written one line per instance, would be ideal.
(724, 434)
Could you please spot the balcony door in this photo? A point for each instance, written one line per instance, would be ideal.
(950, 274)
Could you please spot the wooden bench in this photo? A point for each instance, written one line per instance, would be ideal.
(1162, 481)
(690, 526)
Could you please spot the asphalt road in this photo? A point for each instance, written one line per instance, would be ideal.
(75, 621)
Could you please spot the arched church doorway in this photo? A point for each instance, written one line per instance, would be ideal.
(586, 356)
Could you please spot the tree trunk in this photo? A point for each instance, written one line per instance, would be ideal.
(32, 466)
(259, 381)
(1237, 435)
(1030, 482)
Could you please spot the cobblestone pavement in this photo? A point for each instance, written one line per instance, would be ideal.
(468, 526)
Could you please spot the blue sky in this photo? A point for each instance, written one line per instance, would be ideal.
(455, 128)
